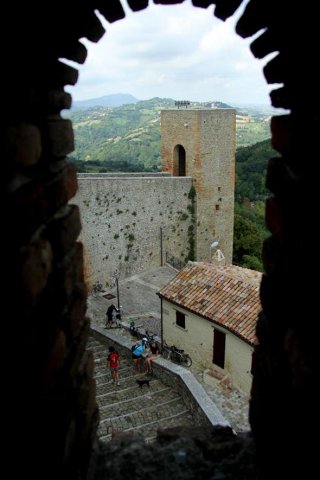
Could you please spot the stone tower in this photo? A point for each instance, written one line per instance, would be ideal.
(201, 144)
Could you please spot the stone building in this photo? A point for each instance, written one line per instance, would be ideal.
(210, 311)
(134, 222)
(201, 144)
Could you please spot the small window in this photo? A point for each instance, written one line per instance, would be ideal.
(180, 320)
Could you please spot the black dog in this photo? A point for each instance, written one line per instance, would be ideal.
(143, 382)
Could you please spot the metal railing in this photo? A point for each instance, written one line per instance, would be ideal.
(175, 262)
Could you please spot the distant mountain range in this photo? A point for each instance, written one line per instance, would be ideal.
(119, 99)
(115, 100)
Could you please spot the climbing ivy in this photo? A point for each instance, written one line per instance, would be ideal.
(192, 227)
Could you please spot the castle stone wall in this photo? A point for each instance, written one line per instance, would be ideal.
(209, 139)
(128, 218)
(122, 217)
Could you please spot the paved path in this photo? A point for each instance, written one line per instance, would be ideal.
(140, 302)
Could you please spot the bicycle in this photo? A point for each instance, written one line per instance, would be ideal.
(176, 355)
(115, 322)
(97, 287)
(150, 337)
(134, 330)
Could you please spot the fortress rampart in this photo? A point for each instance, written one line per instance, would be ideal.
(123, 218)
(130, 221)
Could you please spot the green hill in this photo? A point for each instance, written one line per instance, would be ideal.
(114, 100)
(127, 137)
(120, 138)
(251, 169)
(124, 138)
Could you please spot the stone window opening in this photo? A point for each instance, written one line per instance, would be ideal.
(180, 319)
(179, 161)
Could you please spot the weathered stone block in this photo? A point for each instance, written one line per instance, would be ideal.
(137, 5)
(64, 230)
(24, 144)
(36, 267)
(112, 10)
(58, 137)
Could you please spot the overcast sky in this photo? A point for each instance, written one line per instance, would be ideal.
(179, 51)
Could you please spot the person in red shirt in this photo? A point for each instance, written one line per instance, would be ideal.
(114, 364)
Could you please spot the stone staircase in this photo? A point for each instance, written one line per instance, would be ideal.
(128, 407)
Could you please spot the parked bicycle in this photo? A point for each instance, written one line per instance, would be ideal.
(115, 322)
(150, 337)
(176, 355)
(134, 329)
(97, 287)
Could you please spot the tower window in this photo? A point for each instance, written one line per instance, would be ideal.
(179, 161)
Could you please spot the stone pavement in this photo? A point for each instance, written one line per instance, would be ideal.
(129, 408)
(140, 302)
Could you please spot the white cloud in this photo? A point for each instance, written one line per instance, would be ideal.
(172, 51)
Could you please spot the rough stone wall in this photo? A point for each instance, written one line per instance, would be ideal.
(122, 214)
(121, 220)
(51, 407)
(208, 137)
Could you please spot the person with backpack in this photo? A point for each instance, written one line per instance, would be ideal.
(114, 364)
(137, 351)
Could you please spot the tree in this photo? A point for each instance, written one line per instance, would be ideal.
(247, 242)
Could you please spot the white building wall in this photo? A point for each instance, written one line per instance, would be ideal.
(238, 361)
(197, 340)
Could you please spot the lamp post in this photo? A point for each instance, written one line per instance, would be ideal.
(218, 257)
(214, 244)
(116, 276)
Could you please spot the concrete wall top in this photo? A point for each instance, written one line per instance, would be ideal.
(131, 175)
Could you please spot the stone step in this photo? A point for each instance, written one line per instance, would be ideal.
(146, 424)
(137, 415)
(127, 390)
(109, 405)
(129, 407)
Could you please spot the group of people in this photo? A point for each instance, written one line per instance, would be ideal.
(138, 353)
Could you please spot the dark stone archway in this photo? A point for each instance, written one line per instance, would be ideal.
(45, 291)
(179, 161)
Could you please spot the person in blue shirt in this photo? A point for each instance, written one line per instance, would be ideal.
(137, 352)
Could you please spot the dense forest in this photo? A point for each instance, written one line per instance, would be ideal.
(127, 139)
(250, 193)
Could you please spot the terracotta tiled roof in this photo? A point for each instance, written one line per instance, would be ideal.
(228, 296)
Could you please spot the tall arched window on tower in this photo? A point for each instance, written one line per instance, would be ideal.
(179, 161)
